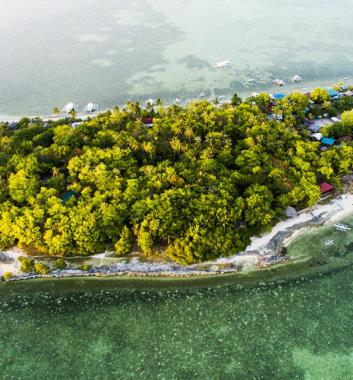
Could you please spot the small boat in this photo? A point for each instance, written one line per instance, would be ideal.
(223, 65)
(279, 82)
(328, 243)
(342, 227)
(297, 79)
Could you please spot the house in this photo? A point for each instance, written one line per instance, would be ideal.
(148, 122)
(278, 96)
(335, 119)
(344, 139)
(328, 141)
(326, 188)
(333, 93)
(68, 195)
(320, 123)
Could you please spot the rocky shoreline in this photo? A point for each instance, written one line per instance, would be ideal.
(264, 252)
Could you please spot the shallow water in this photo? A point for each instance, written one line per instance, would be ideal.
(298, 328)
(107, 51)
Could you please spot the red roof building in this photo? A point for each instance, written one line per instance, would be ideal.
(148, 120)
(325, 188)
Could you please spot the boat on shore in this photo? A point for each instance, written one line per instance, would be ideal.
(223, 65)
(342, 227)
(297, 79)
(279, 82)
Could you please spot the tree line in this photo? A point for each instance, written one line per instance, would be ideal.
(196, 186)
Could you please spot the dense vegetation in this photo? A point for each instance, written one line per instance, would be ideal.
(195, 186)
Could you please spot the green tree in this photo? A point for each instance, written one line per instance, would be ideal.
(27, 264)
(60, 263)
(41, 268)
(7, 276)
(124, 244)
(56, 111)
(320, 96)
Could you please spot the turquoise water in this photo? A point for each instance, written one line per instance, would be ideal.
(293, 328)
(54, 52)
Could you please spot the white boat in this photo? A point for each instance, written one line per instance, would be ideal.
(342, 227)
(328, 243)
(297, 79)
(223, 65)
(279, 82)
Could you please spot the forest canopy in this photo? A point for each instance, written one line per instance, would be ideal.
(194, 186)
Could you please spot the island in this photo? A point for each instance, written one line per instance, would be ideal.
(174, 184)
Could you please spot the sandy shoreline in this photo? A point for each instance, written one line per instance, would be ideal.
(263, 251)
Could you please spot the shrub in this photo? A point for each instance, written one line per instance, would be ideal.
(85, 267)
(60, 263)
(27, 264)
(124, 244)
(7, 276)
(41, 268)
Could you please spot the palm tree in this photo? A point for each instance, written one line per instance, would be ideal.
(73, 113)
(56, 111)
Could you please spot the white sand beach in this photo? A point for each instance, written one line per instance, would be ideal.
(336, 210)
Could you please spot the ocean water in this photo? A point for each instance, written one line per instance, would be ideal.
(276, 326)
(53, 52)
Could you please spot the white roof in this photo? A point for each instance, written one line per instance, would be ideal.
(317, 136)
(335, 119)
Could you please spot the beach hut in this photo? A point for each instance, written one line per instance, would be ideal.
(91, 107)
(69, 107)
(149, 103)
(291, 212)
(328, 141)
(326, 188)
